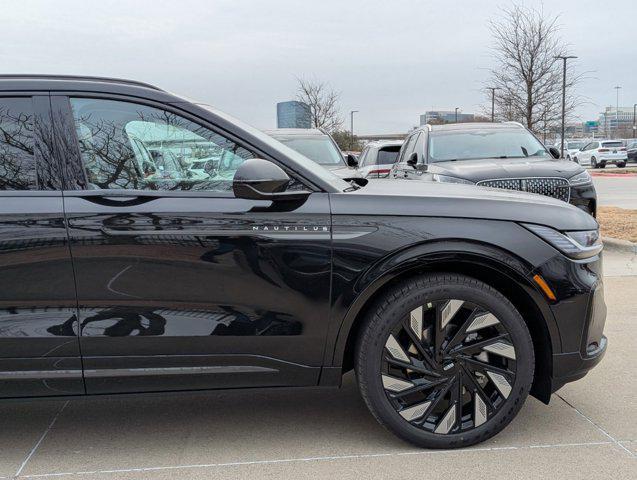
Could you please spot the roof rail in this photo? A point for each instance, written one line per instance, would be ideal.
(42, 76)
(514, 123)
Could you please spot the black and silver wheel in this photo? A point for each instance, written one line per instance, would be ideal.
(593, 162)
(444, 361)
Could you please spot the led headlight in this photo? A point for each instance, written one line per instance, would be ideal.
(582, 178)
(577, 244)
(447, 179)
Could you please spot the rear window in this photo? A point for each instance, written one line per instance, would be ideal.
(17, 162)
(388, 155)
(612, 144)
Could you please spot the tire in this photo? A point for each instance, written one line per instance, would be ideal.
(621, 164)
(593, 162)
(602, 164)
(488, 400)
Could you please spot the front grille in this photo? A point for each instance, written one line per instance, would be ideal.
(551, 187)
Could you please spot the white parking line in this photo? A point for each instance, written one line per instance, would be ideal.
(311, 459)
(614, 440)
(37, 444)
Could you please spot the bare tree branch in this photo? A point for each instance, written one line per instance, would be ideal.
(527, 76)
(323, 103)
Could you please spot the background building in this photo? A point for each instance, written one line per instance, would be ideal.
(445, 116)
(614, 123)
(293, 114)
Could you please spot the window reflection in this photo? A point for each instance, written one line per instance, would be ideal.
(130, 146)
(17, 163)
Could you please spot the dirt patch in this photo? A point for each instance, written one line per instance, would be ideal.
(618, 223)
(613, 171)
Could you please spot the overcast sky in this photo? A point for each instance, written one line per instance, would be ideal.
(391, 60)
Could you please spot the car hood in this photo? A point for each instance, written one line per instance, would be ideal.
(343, 172)
(488, 169)
(407, 197)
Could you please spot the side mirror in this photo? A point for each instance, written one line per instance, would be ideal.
(258, 179)
(351, 161)
(412, 161)
(554, 152)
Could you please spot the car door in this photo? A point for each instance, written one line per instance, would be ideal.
(180, 284)
(39, 345)
(584, 156)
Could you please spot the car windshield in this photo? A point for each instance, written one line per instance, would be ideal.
(445, 146)
(388, 155)
(319, 149)
(575, 145)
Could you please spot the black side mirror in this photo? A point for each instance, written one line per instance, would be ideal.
(554, 152)
(258, 179)
(412, 161)
(351, 161)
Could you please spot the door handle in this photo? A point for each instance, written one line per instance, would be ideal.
(116, 198)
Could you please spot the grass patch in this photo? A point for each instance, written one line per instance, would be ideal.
(618, 223)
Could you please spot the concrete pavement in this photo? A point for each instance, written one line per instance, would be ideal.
(588, 431)
(617, 191)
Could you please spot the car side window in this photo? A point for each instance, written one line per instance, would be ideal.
(594, 145)
(17, 160)
(126, 145)
(420, 147)
(407, 148)
(362, 156)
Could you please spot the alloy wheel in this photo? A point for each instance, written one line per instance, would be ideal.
(448, 367)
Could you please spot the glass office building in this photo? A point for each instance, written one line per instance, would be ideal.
(293, 114)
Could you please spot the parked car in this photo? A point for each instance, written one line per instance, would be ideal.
(451, 302)
(631, 151)
(571, 147)
(599, 153)
(319, 147)
(377, 158)
(497, 155)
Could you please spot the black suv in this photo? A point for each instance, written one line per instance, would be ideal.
(124, 269)
(498, 155)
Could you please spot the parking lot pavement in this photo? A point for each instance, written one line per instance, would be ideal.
(588, 431)
(617, 191)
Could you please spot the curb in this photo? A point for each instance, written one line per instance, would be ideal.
(628, 175)
(619, 245)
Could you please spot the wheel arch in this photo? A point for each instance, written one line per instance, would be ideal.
(491, 265)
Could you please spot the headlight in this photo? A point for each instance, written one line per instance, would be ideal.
(447, 179)
(582, 178)
(578, 245)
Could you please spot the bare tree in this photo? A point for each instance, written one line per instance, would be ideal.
(323, 103)
(527, 76)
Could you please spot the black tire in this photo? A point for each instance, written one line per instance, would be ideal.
(593, 162)
(394, 311)
(602, 164)
(621, 164)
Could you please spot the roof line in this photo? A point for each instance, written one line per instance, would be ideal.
(36, 76)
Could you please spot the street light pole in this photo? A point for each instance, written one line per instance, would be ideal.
(564, 58)
(617, 88)
(634, 115)
(351, 124)
(456, 114)
(493, 89)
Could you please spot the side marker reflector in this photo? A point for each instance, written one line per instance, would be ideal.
(544, 287)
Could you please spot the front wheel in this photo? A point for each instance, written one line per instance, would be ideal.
(621, 164)
(444, 361)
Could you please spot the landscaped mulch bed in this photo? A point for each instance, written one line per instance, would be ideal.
(618, 223)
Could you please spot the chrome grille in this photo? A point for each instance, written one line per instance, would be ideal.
(551, 187)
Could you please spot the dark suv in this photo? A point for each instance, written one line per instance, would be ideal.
(497, 155)
(123, 269)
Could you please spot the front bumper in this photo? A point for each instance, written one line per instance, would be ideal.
(580, 315)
